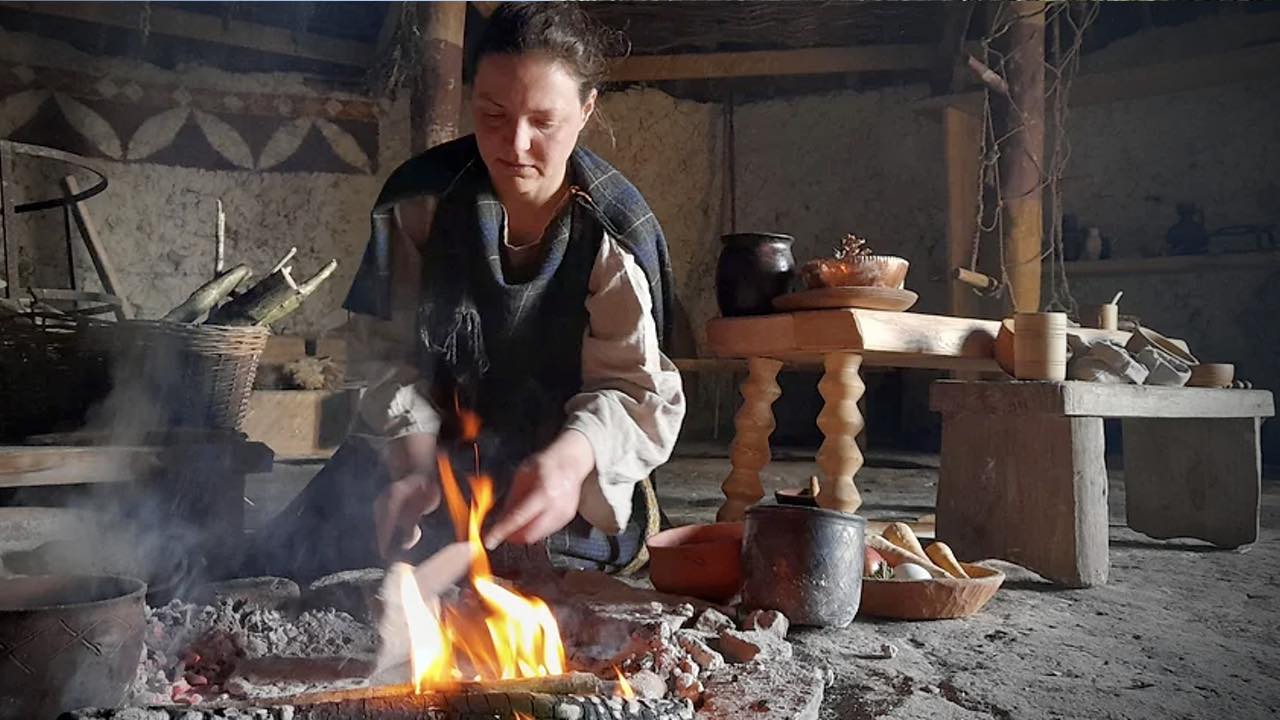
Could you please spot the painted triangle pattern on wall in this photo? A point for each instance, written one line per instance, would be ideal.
(122, 119)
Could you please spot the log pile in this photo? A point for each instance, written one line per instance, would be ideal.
(262, 304)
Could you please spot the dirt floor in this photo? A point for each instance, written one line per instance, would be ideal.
(1182, 630)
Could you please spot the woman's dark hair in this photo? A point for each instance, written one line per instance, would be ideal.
(560, 30)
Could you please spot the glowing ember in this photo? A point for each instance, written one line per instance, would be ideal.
(624, 687)
(512, 636)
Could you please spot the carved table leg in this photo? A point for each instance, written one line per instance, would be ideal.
(839, 458)
(749, 452)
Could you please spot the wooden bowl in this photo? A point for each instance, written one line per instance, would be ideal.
(1212, 375)
(702, 561)
(937, 599)
(1142, 337)
(858, 271)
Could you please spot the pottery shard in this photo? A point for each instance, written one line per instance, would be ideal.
(745, 646)
(648, 684)
(713, 621)
(770, 621)
(782, 690)
(698, 650)
(353, 592)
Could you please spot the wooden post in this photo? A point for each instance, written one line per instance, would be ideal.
(1019, 117)
(962, 135)
(436, 101)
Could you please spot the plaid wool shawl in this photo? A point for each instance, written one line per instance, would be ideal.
(612, 200)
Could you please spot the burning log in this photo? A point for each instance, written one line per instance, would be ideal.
(431, 706)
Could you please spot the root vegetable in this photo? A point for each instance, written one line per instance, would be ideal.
(941, 554)
(895, 556)
(900, 534)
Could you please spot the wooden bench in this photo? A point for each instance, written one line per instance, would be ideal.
(1024, 478)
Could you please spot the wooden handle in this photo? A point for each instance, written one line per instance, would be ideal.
(975, 279)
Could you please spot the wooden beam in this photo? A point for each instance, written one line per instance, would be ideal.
(210, 28)
(485, 8)
(808, 61)
(962, 137)
(1019, 118)
(436, 101)
(1143, 81)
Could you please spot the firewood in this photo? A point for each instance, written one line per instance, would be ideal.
(573, 683)
(208, 295)
(431, 706)
(269, 301)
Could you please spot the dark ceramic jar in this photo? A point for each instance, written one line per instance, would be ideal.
(754, 268)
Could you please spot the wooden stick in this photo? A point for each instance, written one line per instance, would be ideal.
(219, 251)
(97, 251)
(976, 280)
(989, 77)
(573, 683)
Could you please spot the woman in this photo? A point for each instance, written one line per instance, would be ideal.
(543, 301)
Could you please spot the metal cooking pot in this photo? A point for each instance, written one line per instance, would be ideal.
(67, 642)
(803, 562)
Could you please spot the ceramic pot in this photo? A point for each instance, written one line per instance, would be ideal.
(803, 562)
(754, 268)
(71, 641)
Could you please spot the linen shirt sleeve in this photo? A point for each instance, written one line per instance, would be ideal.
(632, 403)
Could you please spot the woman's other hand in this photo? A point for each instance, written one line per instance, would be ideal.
(398, 508)
(545, 491)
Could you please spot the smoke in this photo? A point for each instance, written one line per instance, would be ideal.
(172, 521)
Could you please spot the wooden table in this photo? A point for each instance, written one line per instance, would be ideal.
(843, 341)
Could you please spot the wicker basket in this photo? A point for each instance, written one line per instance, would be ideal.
(50, 375)
(135, 375)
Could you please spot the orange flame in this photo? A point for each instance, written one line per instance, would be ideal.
(512, 636)
(624, 687)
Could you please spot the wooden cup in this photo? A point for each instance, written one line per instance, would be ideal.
(1103, 317)
(1040, 346)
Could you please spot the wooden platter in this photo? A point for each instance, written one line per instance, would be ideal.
(869, 298)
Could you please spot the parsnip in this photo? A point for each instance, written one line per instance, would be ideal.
(941, 554)
(900, 534)
(895, 556)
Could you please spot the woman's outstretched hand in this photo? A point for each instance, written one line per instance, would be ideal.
(545, 491)
(398, 508)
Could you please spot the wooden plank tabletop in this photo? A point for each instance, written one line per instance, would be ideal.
(1087, 399)
(884, 338)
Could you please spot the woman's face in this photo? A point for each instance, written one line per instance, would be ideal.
(528, 115)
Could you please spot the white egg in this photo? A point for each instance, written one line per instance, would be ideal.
(911, 571)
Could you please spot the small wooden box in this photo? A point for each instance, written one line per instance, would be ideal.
(300, 424)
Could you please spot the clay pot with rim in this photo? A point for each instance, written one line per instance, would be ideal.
(70, 641)
(701, 561)
(753, 269)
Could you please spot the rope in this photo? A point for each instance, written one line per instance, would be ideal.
(1060, 70)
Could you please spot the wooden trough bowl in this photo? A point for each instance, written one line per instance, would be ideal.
(937, 599)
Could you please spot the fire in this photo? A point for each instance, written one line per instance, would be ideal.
(509, 636)
(624, 687)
